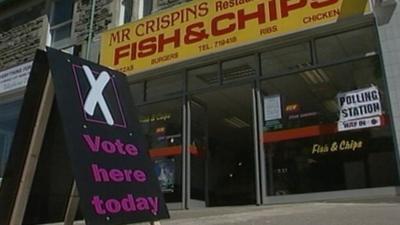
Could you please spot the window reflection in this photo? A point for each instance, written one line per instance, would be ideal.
(305, 152)
(61, 20)
(9, 115)
(203, 77)
(360, 42)
(286, 59)
(62, 11)
(239, 68)
(162, 127)
(137, 92)
(164, 86)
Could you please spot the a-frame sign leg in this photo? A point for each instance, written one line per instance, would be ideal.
(72, 207)
(32, 158)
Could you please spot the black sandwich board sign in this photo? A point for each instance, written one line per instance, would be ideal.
(114, 174)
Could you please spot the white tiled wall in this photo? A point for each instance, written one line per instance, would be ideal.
(389, 35)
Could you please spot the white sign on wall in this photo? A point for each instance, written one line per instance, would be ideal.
(272, 107)
(360, 108)
(15, 77)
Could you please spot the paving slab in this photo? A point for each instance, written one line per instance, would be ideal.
(383, 211)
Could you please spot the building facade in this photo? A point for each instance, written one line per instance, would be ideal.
(309, 113)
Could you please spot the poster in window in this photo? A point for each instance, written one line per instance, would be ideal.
(359, 108)
(272, 107)
(165, 170)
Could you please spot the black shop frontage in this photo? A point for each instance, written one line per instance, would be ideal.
(299, 116)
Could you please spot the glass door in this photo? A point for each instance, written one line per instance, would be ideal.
(198, 154)
(222, 147)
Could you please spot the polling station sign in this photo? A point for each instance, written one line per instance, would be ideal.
(359, 103)
(203, 27)
(360, 108)
(114, 174)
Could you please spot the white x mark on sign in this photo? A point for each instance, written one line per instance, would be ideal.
(95, 95)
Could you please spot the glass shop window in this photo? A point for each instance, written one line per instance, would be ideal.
(136, 9)
(203, 77)
(286, 59)
(128, 10)
(328, 129)
(162, 126)
(165, 86)
(356, 43)
(137, 92)
(61, 20)
(8, 120)
(239, 68)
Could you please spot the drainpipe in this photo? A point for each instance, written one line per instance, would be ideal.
(90, 32)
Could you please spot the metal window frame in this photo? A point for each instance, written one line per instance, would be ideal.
(62, 43)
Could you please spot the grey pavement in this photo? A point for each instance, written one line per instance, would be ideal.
(375, 211)
(354, 212)
(296, 214)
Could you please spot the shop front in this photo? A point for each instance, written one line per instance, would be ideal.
(293, 116)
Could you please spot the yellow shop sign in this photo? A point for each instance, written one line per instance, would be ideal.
(202, 27)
